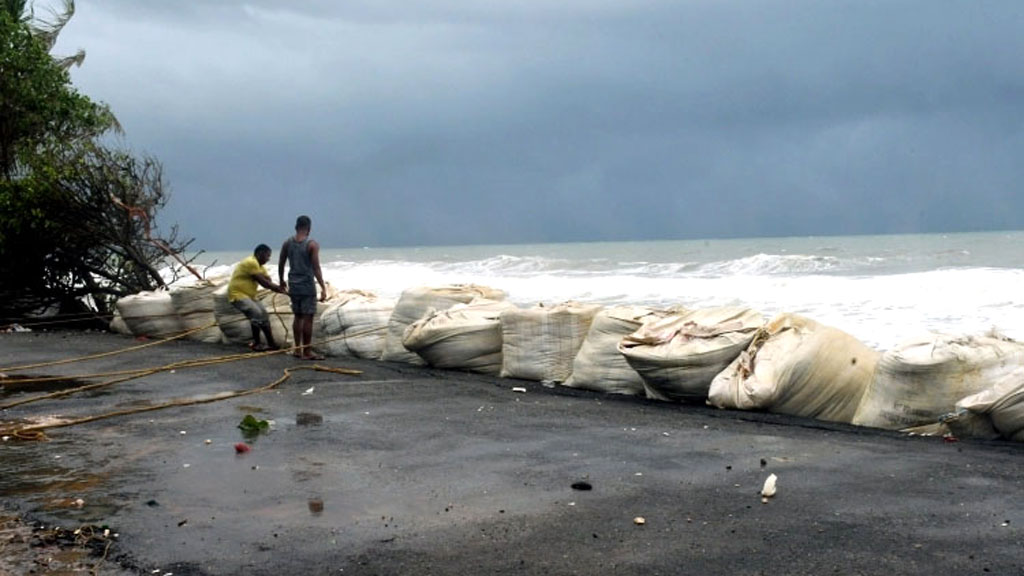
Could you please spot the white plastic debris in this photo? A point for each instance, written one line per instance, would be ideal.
(183, 432)
(309, 391)
(769, 486)
(639, 521)
(519, 389)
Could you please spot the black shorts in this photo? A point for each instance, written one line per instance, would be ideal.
(303, 304)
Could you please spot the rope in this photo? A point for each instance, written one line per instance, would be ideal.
(142, 372)
(36, 432)
(105, 354)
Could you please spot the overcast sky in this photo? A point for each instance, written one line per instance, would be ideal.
(479, 122)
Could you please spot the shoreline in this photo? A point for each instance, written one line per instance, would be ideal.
(405, 469)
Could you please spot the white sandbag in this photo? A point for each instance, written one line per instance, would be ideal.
(463, 337)
(540, 343)
(236, 326)
(353, 324)
(232, 323)
(599, 365)
(799, 367)
(416, 302)
(279, 309)
(194, 305)
(1000, 407)
(678, 357)
(150, 314)
(117, 324)
(919, 381)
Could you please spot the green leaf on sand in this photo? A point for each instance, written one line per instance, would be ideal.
(250, 426)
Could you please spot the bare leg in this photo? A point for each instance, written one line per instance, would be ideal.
(300, 351)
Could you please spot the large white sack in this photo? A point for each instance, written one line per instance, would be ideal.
(799, 367)
(599, 365)
(999, 408)
(540, 343)
(236, 327)
(354, 324)
(417, 302)
(232, 323)
(194, 305)
(463, 337)
(150, 314)
(117, 324)
(678, 357)
(921, 380)
(279, 309)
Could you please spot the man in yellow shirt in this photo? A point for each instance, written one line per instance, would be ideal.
(246, 279)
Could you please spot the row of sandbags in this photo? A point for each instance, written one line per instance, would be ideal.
(729, 357)
(203, 311)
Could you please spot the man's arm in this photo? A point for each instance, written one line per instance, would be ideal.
(265, 281)
(314, 258)
(281, 258)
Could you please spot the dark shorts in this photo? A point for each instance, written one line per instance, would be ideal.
(304, 304)
(253, 310)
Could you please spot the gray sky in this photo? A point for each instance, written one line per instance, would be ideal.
(454, 121)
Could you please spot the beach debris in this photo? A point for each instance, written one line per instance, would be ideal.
(79, 503)
(183, 432)
(308, 419)
(207, 441)
(639, 521)
(519, 389)
(769, 488)
(309, 391)
(242, 448)
(316, 506)
(6, 438)
(251, 426)
(581, 485)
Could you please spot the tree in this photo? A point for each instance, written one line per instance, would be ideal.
(45, 30)
(77, 217)
(38, 106)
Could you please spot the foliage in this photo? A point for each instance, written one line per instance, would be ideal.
(77, 217)
(80, 226)
(251, 426)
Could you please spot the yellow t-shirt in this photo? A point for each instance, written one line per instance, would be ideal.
(242, 284)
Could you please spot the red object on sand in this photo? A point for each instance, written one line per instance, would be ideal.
(242, 448)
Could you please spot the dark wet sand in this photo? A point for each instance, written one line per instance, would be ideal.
(406, 470)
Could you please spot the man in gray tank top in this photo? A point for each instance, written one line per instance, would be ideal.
(302, 254)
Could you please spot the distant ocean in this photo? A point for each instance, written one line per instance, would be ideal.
(881, 289)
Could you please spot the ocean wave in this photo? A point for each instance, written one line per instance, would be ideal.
(773, 264)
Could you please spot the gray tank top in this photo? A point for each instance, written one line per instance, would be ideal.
(300, 267)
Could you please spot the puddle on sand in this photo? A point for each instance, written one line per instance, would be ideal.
(308, 419)
(20, 383)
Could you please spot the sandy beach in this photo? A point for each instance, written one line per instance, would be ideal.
(406, 470)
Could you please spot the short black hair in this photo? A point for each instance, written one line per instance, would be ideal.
(303, 222)
(261, 248)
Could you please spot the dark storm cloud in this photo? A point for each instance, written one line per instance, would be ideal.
(438, 122)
